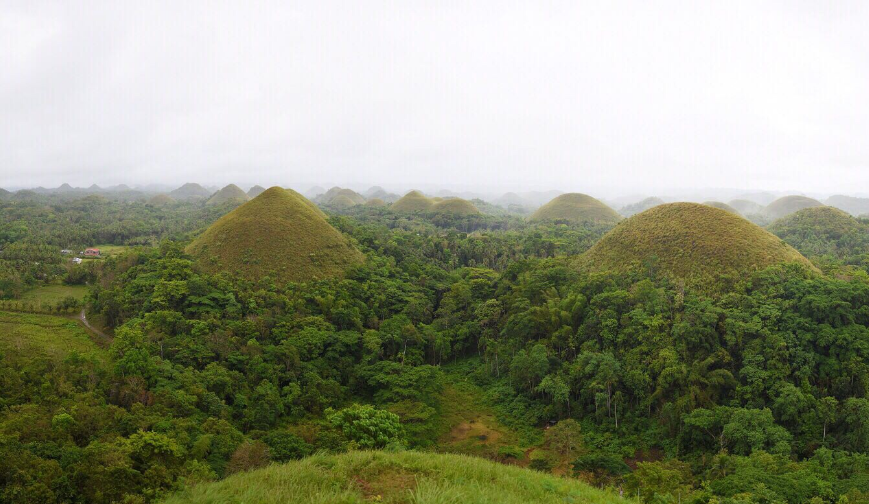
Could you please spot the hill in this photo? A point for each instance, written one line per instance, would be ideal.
(4, 193)
(190, 190)
(746, 207)
(414, 201)
(820, 230)
(350, 197)
(229, 193)
(405, 477)
(696, 243)
(375, 202)
(850, 204)
(161, 200)
(576, 208)
(278, 234)
(255, 191)
(721, 205)
(788, 205)
(641, 206)
(455, 206)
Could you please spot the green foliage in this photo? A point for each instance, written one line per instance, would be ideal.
(823, 231)
(366, 426)
(576, 208)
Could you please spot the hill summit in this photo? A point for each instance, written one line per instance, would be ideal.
(403, 477)
(415, 201)
(689, 241)
(788, 205)
(229, 193)
(576, 208)
(190, 190)
(278, 234)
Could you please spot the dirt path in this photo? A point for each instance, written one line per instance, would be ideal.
(82, 317)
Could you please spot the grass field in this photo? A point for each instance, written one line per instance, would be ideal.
(404, 477)
(38, 337)
(111, 250)
(52, 294)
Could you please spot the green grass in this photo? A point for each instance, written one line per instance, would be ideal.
(277, 234)
(39, 337)
(52, 294)
(688, 241)
(404, 477)
(576, 208)
(788, 205)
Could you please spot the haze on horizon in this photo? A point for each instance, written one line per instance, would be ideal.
(600, 97)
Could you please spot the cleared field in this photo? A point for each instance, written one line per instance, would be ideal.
(111, 250)
(52, 294)
(39, 337)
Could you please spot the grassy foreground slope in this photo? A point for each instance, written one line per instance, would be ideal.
(30, 337)
(278, 234)
(576, 208)
(405, 477)
(696, 243)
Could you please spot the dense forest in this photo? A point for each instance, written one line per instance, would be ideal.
(630, 380)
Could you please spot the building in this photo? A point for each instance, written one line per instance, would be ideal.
(76, 260)
(92, 252)
(66, 251)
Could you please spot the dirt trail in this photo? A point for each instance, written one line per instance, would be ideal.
(82, 317)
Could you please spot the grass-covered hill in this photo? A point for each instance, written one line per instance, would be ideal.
(340, 197)
(641, 206)
(161, 200)
(850, 204)
(788, 205)
(746, 207)
(375, 202)
(576, 208)
(823, 230)
(689, 241)
(190, 190)
(278, 234)
(415, 201)
(455, 206)
(255, 191)
(405, 477)
(721, 205)
(229, 193)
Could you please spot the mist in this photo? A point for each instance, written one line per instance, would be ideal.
(608, 98)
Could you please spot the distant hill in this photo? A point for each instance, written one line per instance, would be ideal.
(823, 230)
(414, 201)
(404, 477)
(230, 193)
(277, 234)
(640, 206)
(510, 199)
(850, 204)
(375, 202)
(721, 205)
(746, 207)
(688, 241)
(314, 192)
(4, 193)
(161, 200)
(788, 205)
(190, 190)
(340, 197)
(576, 208)
(382, 194)
(255, 191)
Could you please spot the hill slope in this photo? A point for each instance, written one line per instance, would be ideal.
(279, 234)
(455, 206)
(697, 243)
(255, 191)
(576, 208)
(406, 477)
(788, 205)
(850, 204)
(229, 193)
(746, 207)
(341, 197)
(414, 201)
(721, 205)
(641, 206)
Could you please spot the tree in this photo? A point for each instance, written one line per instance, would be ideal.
(565, 438)
(367, 427)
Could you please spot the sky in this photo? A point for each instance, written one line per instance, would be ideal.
(615, 97)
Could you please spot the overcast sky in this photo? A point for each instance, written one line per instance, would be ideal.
(599, 95)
